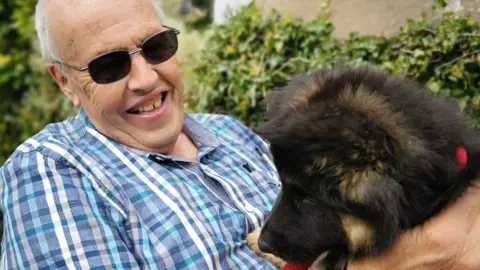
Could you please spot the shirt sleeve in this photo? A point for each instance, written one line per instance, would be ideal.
(54, 219)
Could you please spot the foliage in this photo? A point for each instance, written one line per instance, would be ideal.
(12, 69)
(243, 61)
(29, 98)
(249, 56)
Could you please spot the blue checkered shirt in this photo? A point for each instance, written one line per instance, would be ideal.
(74, 199)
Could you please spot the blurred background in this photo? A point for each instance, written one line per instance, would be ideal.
(233, 52)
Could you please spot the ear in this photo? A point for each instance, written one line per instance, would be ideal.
(275, 101)
(62, 81)
(262, 129)
(271, 130)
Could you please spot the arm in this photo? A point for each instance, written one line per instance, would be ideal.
(54, 219)
(450, 240)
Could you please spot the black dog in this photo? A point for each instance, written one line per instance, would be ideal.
(362, 157)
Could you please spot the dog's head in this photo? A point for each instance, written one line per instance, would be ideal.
(355, 149)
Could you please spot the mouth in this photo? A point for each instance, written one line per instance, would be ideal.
(305, 257)
(306, 265)
(149, 107)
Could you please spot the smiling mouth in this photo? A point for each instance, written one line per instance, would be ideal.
(151, 106)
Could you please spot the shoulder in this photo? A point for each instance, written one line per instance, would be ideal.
(215, 119)
(230, 128)
(51, 160)
(50, 143)
(39, 167)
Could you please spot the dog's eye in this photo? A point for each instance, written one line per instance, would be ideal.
(306, 202)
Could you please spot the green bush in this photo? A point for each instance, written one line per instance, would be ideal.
(244, 60)
(14, 44)
(249, 56)
(29, 98)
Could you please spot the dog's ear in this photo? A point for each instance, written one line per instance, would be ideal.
(271, 132)
(275, 101)
(294, 95)
(266, 129)
(262, 130)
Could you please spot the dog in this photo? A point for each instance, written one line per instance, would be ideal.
(362, 156)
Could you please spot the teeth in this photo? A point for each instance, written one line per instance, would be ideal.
(158, 103)
(148, 107)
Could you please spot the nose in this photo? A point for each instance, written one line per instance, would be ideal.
(264, 246)
(143, 76)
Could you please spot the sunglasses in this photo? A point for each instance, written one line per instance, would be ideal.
(115, 65)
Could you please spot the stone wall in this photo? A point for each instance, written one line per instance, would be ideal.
(375, 17)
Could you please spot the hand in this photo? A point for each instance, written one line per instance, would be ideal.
(252, 242)
(449, 240)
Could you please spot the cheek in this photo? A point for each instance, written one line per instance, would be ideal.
(110, 104)
(170, 70)
(106, 100)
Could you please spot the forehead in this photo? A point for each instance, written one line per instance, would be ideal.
(83, 29)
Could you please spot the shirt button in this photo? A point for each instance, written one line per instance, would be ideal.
(249, 208)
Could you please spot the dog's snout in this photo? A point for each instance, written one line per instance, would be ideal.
(264, 246)
(265, 241)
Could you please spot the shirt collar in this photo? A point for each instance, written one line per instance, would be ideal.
(83, 118)
(205, 138)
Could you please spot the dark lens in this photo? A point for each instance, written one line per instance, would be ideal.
(160, 47)
(110, 67)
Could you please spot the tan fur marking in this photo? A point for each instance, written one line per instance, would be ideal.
(375, 108)
(300, 99)
(309, 169)
(303, 95)
(346, 133)
(359, 233)
(379, 166)
(320, 163)
(354, 184)
(354, 156)
(287, 179)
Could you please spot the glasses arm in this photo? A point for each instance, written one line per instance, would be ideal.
(70, 66)
(171, 28)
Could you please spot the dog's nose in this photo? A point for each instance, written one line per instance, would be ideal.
(264, 246)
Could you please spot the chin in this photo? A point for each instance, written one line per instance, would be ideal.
(160, 141)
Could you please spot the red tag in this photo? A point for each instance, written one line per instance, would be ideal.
(291, 266)
(461, 158)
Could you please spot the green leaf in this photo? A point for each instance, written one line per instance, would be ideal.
(434, 86)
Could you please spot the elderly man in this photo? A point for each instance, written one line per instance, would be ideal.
(134, 182)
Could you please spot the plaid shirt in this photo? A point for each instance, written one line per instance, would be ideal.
(74, 199)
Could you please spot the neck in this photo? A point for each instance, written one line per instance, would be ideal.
(185, 147)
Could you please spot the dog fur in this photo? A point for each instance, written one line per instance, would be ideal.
(362, 156)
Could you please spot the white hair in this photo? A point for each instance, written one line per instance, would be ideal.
(48, 47)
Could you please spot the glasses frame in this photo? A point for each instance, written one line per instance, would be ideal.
(130, 52)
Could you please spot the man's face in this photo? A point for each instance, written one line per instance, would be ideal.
(85, 29)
